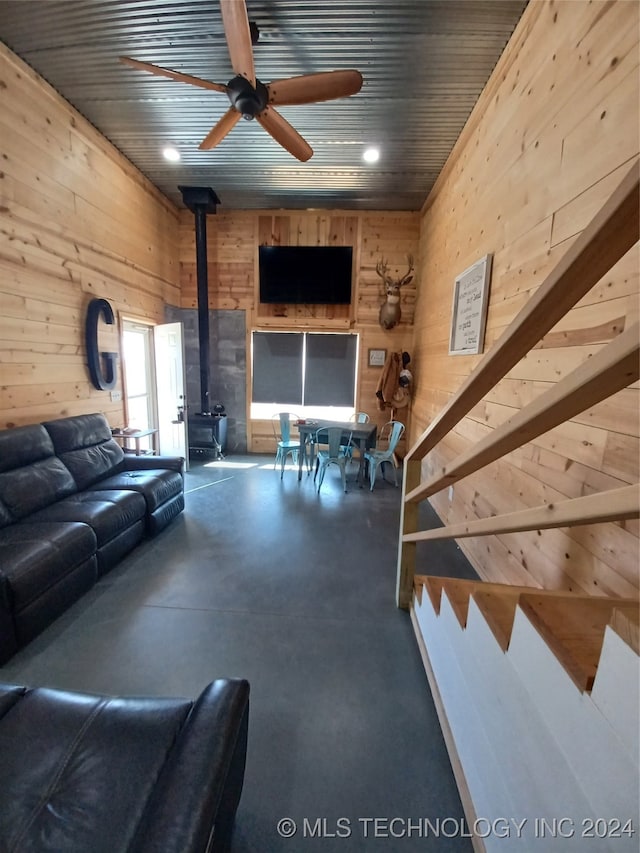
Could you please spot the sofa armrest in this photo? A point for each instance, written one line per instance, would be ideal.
(194, 803)
(10, 694)
(148, 463)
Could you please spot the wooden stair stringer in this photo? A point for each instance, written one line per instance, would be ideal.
(572, 624)
(460, 590)
(626, 624)
(607, 771)
(574, 629)
(521, 735)
(498, 605)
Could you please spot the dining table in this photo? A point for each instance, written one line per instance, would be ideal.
(363, 436)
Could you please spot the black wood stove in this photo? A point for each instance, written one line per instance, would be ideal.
(207, 428)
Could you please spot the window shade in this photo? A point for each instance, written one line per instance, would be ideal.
(304, 368)
(277, 367)
(330, 370)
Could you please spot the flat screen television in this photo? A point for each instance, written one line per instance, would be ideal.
(315, 275)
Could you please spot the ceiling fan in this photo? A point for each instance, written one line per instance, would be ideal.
(249, 97)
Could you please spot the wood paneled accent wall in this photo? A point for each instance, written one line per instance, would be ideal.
(552, 135)
(78, 221)
(305, 230)
(232, 259)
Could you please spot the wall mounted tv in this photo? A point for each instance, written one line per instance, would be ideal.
(307, 275)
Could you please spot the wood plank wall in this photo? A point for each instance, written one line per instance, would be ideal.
(77, 222)
(232, 252)
(551, 136)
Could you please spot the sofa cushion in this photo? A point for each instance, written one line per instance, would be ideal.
(23, 446)
(77, 432)
(85, 445)
(157, 485)
(31, 477)
(34, 557)
(28, 489)
(108, 513)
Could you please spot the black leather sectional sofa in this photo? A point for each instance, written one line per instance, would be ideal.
(72, 504)
(82, 773)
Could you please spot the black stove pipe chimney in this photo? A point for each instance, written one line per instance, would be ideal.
(202, 200)
(203, 306)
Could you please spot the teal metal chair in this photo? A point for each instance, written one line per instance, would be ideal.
(281, 423)
(391, 433)
(333, 455)
(358, 418)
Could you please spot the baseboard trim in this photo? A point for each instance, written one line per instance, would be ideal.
(456, 766)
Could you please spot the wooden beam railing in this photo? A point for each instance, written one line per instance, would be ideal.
(612, 505)
(609, 370)
(611, 233)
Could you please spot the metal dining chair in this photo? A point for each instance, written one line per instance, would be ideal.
(391, 432)
(359, 418)
(333, 455)
(281, 423)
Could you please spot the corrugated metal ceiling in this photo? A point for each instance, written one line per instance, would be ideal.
(424, 63)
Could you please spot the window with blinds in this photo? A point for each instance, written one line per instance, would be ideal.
(304, 369)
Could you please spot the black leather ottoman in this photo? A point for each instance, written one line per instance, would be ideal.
(82, 773)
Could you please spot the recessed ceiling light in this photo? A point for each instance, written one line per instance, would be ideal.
(371, 155)
(171, 154)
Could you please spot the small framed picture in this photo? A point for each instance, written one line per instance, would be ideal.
(377, 357)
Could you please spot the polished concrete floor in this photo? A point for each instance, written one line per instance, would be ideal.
(264, 579)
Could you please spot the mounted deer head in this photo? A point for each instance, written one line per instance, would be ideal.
(390, 312)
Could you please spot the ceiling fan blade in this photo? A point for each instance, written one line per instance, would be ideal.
(173, 75)
(238, 35)
(284, 134)
(220, 130)
(310, 88)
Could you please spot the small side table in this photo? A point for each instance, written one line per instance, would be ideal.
(124, 436)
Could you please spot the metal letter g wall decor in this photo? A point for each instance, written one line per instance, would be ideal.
(102, 381)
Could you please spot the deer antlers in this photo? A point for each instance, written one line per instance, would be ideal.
(382, 269)
(390, 310)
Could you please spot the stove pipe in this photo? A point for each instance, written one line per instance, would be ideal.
(202, 200)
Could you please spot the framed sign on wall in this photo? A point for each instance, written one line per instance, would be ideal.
(377, 357)
(469, 310)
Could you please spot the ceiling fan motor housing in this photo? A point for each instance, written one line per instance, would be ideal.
(245, 99)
